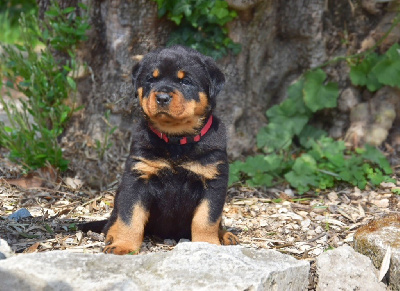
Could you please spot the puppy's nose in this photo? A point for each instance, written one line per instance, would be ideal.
(163, 98)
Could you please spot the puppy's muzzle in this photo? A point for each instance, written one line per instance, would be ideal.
(163, 99)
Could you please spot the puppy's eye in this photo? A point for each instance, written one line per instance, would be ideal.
(186, 81)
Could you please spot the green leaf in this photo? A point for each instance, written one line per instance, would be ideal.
(294, 104)
(273, 137)
(361, 74)
(63, 117)
(68, 10)
(260, 179)
(387, 71)
(176, 18)
(82, 6)
(309, 135)
(48, 228)
(317, 95)
(220, 12)
(8, 129)
(71, 83)
(234, 172)
(303, 175)
(376, 156)
(52, 12)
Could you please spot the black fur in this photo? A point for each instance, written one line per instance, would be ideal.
(172, 195)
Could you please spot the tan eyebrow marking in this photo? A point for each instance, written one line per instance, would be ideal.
(156, 73)
(181, 74)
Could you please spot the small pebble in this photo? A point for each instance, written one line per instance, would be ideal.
(382, 203)
(170, 242)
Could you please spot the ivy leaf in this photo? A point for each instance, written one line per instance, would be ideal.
(309, 135)
(275, 137)
(303, 174)
(293, 124)
(376, 156)
(317, 95)
(294, 104)
(260, 179)
(234, 172)
(387, 71)
(219, 10)
(362, 75)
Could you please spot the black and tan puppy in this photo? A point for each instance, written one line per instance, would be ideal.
(175, 181)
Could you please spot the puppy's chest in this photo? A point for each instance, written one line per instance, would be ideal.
(147, 169)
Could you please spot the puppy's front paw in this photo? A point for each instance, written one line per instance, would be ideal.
(121, 248)
(228, 238)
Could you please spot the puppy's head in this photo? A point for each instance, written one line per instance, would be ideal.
(177, 88)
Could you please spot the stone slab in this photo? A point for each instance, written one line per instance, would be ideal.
(346, 270)
(190, 266)
(373, 241)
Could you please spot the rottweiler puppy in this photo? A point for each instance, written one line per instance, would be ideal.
(176, 175)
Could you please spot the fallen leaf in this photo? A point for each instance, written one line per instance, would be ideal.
(32, 248)
(385, 263)
(73, 183)
(37, 178)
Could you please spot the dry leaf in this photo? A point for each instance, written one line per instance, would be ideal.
(361, 210)
(33, 248)
(385, 264)
(37, 178)
(73, 183)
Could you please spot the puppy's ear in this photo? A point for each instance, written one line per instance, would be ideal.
(135, 73)
(217, 78)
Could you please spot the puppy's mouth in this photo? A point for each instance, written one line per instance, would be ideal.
(172, 114)
(163, 114)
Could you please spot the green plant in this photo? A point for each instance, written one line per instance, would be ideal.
(396, 191)
(10, 12)
(376, 71)
(201, 25)
(64, 28)
(39, 117)
(106, 144)
(318, 161)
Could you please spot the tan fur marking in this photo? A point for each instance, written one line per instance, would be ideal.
(227, 238)
(181, 117)
(181, 74)
(156, 73)
(200, 107)
(207, 172)
(202, 229)
(148, 168)
(140, 95)
(124, 239)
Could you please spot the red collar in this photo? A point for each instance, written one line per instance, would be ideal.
(184, 140)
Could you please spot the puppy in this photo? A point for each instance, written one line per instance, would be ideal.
(175, 180)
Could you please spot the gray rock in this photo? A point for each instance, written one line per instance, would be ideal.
(5, 250)
(190, 266)
(19, 214)
(373, 241)
(349, 98)
(345, 269)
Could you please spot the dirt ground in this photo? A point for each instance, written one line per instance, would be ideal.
(276, 218)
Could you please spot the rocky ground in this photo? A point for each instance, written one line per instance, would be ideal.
(302, 226)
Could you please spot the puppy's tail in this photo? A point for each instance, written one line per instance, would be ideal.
(95, 226)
